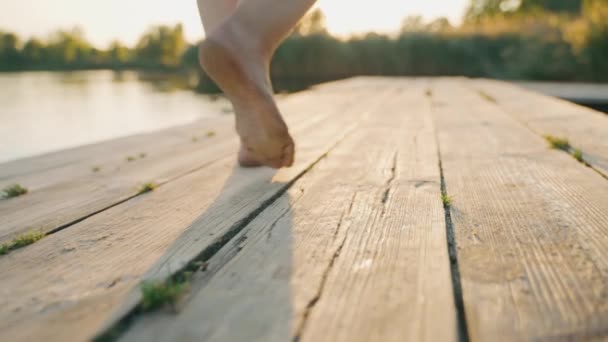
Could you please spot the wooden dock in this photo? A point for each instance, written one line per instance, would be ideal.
(417, 210)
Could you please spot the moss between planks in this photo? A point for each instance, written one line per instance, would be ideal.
(21, 241)
(446, 199)
(578, 155)
(14, 190)
(148, 187)
(156, 295)
(560, 143)
(159, 294)
(142, 155)
(487, 96)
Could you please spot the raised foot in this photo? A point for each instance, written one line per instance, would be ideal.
(248, 158)
(240, 70)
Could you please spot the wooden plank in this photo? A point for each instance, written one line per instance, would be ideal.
(64, 195)
(68, 194)
(585, 128)
(40, 172)
(354, 251)
(65, 286)
(529, 223)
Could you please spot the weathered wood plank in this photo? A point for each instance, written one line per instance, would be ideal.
(355, 251)
(77, 192)
(586, 129)
(29, 170)
(63, 195)
(530, 224)
(65, 286)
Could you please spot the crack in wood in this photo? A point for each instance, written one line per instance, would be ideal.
(313, 301)
(274, 224)
(389, 183)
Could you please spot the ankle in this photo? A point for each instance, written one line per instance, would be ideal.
(246, 35)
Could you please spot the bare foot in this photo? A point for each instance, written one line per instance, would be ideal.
(231, 58)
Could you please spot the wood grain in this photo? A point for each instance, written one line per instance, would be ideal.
(350, 243)
(354, 251)
(586, 129)
(67, 285)
(529, 222)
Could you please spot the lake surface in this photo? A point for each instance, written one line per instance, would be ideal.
(593, 95)
(48, 111)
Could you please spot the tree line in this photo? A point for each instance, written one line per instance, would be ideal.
(560, 40)
(161, 47)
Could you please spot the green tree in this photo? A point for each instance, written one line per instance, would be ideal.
(10, 57)
(413, 24)
(162, 46)
(439, 25)
(70, 48)
(479, 9)
(487, 8)
(564, 6)
(312, 23)
(118, 54)
(596, 45)
(34, 53)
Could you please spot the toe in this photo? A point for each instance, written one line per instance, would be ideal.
(288, 155)
(285, 159)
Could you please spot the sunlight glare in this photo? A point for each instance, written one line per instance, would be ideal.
(104, 21)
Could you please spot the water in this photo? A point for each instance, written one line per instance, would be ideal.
(592, 95)
(48, 111)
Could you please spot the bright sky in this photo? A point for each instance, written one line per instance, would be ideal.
(105, 20)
